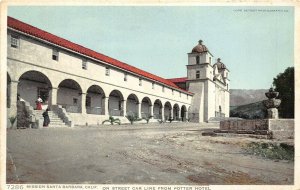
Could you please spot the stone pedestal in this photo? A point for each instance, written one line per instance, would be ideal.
(272, 103)
(272, 113)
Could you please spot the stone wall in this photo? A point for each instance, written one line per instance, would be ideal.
(279, 129)
(250, 125)
(282, 128)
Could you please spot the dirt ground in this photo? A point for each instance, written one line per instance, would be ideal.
(173, 153)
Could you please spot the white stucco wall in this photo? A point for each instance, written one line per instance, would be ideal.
(196, 112)
(227, 104)
(211, 96)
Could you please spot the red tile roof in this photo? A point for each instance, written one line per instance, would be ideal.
(178, 80)
(31, 30)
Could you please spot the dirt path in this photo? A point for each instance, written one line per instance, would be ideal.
(142, 154)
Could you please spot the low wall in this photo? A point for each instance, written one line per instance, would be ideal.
(277, 128)
(282, 128)
(93, 119)
(250, 125)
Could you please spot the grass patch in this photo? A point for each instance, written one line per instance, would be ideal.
(272, 151)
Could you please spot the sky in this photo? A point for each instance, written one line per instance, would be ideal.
(255, 43)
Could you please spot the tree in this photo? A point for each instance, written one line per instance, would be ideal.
(284, 84)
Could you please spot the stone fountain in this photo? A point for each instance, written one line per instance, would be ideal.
(272, 103)
(271, 128)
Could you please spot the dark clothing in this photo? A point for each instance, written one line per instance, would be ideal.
(46, 119)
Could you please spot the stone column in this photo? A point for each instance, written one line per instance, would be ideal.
(123, 108)
(105, 106)
(151, 107)
(83, 100)
(139, 110)
(13, 98)
(163, 113)
(272, 113)
(53, 96)
(172, 114)
(179, 113)
(186, 115)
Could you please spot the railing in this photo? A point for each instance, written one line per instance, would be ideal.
(71, 108)
(218, 114)
(115, 112)
(94, 110)
(62, 114)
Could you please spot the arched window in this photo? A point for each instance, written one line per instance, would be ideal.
(197, 74)
(198, 59)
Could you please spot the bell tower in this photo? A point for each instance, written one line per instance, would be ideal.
(198, 60)
(200, 82)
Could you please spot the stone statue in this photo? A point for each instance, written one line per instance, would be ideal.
(272, 103)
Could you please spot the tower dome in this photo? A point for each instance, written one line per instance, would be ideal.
(200, 48)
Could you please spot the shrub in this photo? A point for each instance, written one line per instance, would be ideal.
(112, 120)
(133, 118)
(271, 151)
(147, 118)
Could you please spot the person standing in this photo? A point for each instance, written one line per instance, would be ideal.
(39, 103)
(46, 118)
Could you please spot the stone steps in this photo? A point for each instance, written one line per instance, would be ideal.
(55, 121)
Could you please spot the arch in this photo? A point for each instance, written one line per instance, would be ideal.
(183, 113)
(33, 84)
(69, 96)
(132, 105)
(8, 91)
(157, 109)
(168, 111)
(176, 114)
(116, 103)
(146, 106)
(95, 100)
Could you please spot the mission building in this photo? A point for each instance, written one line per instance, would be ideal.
(81, 86)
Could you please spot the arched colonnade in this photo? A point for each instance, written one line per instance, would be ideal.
(80, 97)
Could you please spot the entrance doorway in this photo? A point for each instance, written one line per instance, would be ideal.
(44, 94)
